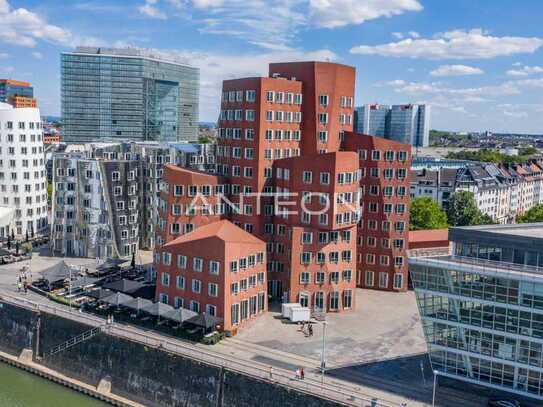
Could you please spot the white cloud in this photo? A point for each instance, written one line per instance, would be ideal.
(274, 24)
(397, 35)
(339, 13)
(4, 55)
(476, 94)
(37, 55)
(207, 3)
(24, 28)
(457, 44)
(150, 10)
(414, 34)
(525, 71)
(538, 83)
(456, 70)
(516, 115)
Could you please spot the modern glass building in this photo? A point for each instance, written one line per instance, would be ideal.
(9, 88)
(409, 124)
(127, 94)
(482, 307)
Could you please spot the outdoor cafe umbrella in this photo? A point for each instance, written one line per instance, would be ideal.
(205, 321)
(124, 286)
(117, 299)
(137, 304)
(158, 309)
(100, 293)
(180, 315)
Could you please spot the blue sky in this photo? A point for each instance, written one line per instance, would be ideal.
(479, 63)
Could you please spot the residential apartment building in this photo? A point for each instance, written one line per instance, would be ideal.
(291, 172)
(110, 94)
(409, 124)
(17, 93)
(22, 170)
(481, 307)
(502, 192)
(219, 269)
(105, 196)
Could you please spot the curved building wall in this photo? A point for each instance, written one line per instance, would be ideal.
(22, 169)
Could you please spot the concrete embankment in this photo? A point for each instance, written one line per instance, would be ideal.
(129, 371)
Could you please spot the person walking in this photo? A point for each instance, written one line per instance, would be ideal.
(297, 373)
(19, 285)
(310, 329)
(302, 374)
(25, 286)
(271, 372)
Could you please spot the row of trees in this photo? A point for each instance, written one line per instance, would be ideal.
(494, 156)
(532, 215)
(462, 210)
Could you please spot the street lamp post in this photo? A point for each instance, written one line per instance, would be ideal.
(434, 390)
(323, 353)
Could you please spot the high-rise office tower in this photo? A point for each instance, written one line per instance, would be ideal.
(409, 124)
(127, 94)
(17, 93)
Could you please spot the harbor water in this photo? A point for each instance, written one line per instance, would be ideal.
(22, 389)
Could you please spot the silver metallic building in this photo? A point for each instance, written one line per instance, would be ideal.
(105, 196)
(482, 307)
(110, 94)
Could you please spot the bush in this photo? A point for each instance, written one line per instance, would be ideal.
(213, 339)
(26, 247)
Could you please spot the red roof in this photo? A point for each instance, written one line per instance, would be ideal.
(222, 229)
(420, 236)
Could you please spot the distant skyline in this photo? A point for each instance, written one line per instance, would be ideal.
(479, 64)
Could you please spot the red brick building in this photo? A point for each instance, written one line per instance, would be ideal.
(291, 134)
(219, 269)
(383, 232)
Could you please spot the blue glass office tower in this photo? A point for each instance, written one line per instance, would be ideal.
(127, 94)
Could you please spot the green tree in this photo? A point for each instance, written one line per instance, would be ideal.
(532, 215)
(463, 211)
(426, 214)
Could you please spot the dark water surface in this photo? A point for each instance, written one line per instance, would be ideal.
(22, 389)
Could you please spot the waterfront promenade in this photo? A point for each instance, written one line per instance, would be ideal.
(341, 383)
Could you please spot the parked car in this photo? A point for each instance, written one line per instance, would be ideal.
(502, 402)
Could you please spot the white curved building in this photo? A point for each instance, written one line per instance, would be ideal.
(23, 185)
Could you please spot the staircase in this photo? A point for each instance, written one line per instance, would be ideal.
(74, 341)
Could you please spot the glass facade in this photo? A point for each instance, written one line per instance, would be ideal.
(483, 319)
(8, 90)
(127, 97)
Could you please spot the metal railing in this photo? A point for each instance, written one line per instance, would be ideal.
(260, 371)
(485, 263)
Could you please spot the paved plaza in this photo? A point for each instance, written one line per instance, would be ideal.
(383, 326)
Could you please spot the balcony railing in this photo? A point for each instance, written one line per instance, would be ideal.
(485, 263)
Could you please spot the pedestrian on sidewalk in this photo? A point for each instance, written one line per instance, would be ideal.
(302, 374)
(271, 372)
(25, 286)
(19, 285)
(310, 330)
(297, 373)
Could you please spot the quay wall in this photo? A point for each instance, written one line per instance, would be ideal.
(147, 375)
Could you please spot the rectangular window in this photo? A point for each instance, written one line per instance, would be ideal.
(369, 278)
